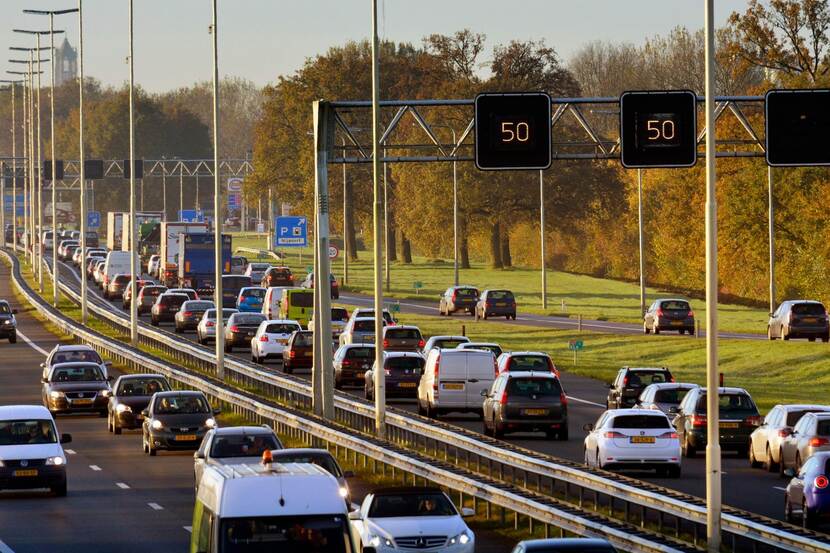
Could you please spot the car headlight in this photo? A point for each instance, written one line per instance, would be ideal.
(55, 461)
(106, 393)
(54, 394)
(376, 541)
(121, 408)
(156, 424)
(7, 322)
(462, 538)
(210, 423)
(344, 491)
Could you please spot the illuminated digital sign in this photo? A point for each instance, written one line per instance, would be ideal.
(658, 129)
(797, 126)
(512, 131)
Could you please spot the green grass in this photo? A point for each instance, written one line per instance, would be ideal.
(568, 294)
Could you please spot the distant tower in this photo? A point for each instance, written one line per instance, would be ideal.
(66, 59)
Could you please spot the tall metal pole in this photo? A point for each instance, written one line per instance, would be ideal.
(84, 311)
(385, 227)
(133, 248)
(181, 187)
(217, 205)
(640, 231)
(713, 453)
(39, 173)
(379, 374)
(345, 228)
(14, 175)
(771, 219)
(164, 189)
(26, 173)
(31, 160)
(55, 277)
(542, 238)
(454, 216)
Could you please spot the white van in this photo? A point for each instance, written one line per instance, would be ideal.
(27, 433)
(278, 507)
(453, 380)
(271, 302)
(116, 263)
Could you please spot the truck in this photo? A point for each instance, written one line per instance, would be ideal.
(197, 255)
(169, 248)
(142, 218)
(115, 228)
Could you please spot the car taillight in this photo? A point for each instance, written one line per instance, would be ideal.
(263, 338)
(698, 420)
(784, 432)
(816, 442)
(668, 436)
(347, 363)
(387, 372)
(625, 382)
(234, 328)
(385, 343)
(210, 324)
(563, 399)
(754, 420)
(503, 399)
(495, 367)
(613, 434)
(421, 343)
(671, 379)
(187, 313)
(437, 367)
(453, 297)
(659, 312)
(821, 481)
(691, 313)
(488, 303)
(292, 354)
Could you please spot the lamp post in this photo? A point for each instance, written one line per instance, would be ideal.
(13, 86)
(217, 203)
(26, 167)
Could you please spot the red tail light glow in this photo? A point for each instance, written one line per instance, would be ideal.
(754, 420)
(668, 436)
(784, 432)
(292, 354)
(234, 328)
(613, 434)
(187, 313)
(816, 442)
(385, 343)
(659, 312)
(503, 399)
(263, 338)
(698, 420)
(210, 324)
(421, 343)
(437, 367)
(691, 313)
(821, 482)
(563, 399)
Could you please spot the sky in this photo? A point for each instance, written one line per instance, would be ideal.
(261, 39)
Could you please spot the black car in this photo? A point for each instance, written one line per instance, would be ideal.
(402, 373)
(625, 391)
(669, 314)
(241, 328)
(176, 420)
(8, 324)
(496, 303)
(231, 286)
(351, 362)
(799, 319)
(458, 298)
(76, 388)
(564, 545)
(165, 308)
(190, 313)
(738, 419)
(130, 396)
(526, 401)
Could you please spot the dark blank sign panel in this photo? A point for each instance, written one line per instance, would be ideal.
(658, 128)
(797, 126)
(512, 131)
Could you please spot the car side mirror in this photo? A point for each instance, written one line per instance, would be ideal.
(589, 427)
(790, 472)
(355, 515)
(217, 411)
(673, 410)
(467, 512)
(348, 474)
(145, 413)
(44, 380)
(484, 393)
(198, 455)
(66, 438)
(14, 311)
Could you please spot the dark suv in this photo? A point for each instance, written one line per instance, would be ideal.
(458, 298)
(799, 319)
(738, 419)
(630, 382)
(499, 303)
(165, 308)
(526, 401)
(8, 324)
(277, 276)
(669, 314)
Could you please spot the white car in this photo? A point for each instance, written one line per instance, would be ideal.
(392, 519)
(633, 438)
(153, 265)
(271, 338)
(30, 439)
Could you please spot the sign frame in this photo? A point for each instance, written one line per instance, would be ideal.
(624, 129)
(480, 132)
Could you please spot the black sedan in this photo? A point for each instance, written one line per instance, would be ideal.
(241, 328)
(131, 395)
(8, 324)
(176, 420)
(190, 313)
(76, 387)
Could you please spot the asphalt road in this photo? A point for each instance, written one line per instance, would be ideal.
(743, 487)
(118, 498)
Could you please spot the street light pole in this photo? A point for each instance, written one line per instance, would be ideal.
(385, 227)
(133, 264)
(771, 222)
(345, 229)
(84, 310)
(640, 232)
(542, 238)
(217, 204)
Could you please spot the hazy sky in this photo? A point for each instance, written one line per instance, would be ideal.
(260, 39)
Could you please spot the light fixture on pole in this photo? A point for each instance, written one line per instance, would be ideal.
(217, 204)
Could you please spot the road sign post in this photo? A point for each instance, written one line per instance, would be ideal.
(576, 346)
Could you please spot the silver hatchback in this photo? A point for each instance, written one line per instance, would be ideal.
(810, 435)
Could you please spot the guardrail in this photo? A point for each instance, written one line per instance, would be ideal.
(504, 462)
(410, 466)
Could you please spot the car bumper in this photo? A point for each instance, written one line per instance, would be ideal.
(238, 339)
(676, 324)
(270, 350)
(129, 420)
(47, 476)
(64, 405)
(497, 311)
(167, 440)
(352, 377)
(468, 547)
(807, 331)
(733, 439)
(532, 424)
(647, 457)
(5, 332)
(299, 362)
(165, 317)
(188, 324)
(404, 388)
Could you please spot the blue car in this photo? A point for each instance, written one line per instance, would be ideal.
(250, 299)
(807, 499)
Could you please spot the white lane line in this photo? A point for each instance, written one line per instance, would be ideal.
(34, 346)
(578, 400)
(122, 485)
(70, 451)
(779, 488)
(156, 506)
(188, 529)
(96, 468)
(5, 548)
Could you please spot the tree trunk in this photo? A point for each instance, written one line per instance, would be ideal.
(463, 249)
(406, 248)
(506, 260)
(495, 247)
(350, 238)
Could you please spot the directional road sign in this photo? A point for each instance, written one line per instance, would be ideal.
(291, 232)
(658, 128)
(191, 216)
(93, 219)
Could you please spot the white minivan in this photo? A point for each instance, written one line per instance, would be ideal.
(116, 263)
(453, 380)
(30, 449)
(272, 300)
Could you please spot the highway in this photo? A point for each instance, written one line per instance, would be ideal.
(750, 489)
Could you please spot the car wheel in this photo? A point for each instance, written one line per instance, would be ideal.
(797, 462)
(562, 435)
(646, 330)
(228, 347)
(154, 321)
(656, 329)
(497, 432)
(825, 338)
(60, 489)
(13, 338)
(178, 329)
(769, 333)
(806, 516)
(811, 339)
(287, 370)
(753, 462)
(673, 471)
(688, 449)
(151, 451)
(769, 464)
(116, 429)
(788, 509)
(781, 466)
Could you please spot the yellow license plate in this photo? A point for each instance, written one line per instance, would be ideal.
(536, 412)
(500, 304)
(30, 472)
(677, 323)
(185, 437)
(453, 386)
(642, 439)
(729, 425)
(308, 353)
(406, 385)
(810, 320)
(81, 402)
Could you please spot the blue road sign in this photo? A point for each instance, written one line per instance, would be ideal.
(191, 216)
(9, 204)
(234, 201)
(291, 232)
(93, 219)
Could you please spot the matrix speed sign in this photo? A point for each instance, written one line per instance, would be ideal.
(658, 128)
(797, 125)
(512, 131)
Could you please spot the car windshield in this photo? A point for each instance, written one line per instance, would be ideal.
(248, 319)
(673, 396)
(426, 504)
(364, 326)
(794, 416)
(281, 328)
(360, 353)
(808, 309)
(529, 363)
(339, 314)
(22, 432)
(301, 299)
(823, 427)
(303, 339)
(77, 374)
(324, 461)
(404, 363)
(242, 445)
(675, 305)
(729, 403)
(643, 378)
(641, 421)
(403, 333)
(82, 356)
(300, 534)
(529, 387)
(5, 309)
(180, 405)
(499, 295)
(142, 387)
(466, 293)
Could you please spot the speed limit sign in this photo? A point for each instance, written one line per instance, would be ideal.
(333, 252)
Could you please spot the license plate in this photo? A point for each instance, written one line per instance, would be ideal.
(81, 402)
(534, 412)
(29, 472)
(282, 341)
(185, 437)
(642, 439)
(500, 304)
(810, 320)
(308, 353)
(406, 385)
(677, 323)
(453, 386)
(729, 425)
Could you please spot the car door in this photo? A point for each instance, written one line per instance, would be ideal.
(480, 375)
(200, 458)
(592, 439)
(760, 437)
(808, 432)
(616, 390)
(789, 445)
(795, 489)
(685, 408)
(488, 403)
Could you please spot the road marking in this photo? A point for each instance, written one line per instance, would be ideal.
(5, 548)
(188, 529)
(156, 506)
(70, 451)
(96, 468)
(32, 345)
(779, 488)
(578, 400)
(122, 485)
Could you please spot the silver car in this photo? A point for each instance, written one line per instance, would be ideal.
(358, 331)
(234, 445)
(766, 441)
(206, 329)
(799, 319)
(810, 434)
(663, 396)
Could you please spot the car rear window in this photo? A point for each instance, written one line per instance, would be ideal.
(500, 295)
(121, 279)
(641, 421)
(326, 462)
(339, 314)
(303, 339)
(199, 305)
(302, 299)
(281, 328)
(259, 266)
(794, 416)
(823, 427)
(448, 344)
(254, 293)
(404, 363)
(643, 378)
(403, 333)
(675, 305)
(226, 313)
(249, 319)
(280, 273)
(364, 326)
(729, 403)
(672, 396)
(808, 309)
(153, 290)
(466, 293)
(360, 353)
(528, 363)
(529, 387)
(235, 282)
(174, 299)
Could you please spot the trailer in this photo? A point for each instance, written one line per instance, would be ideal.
(115, 228)
(142, 219)
(169, 248)
(197, 255)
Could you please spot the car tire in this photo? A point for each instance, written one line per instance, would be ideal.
(781, 466)
(770, 337)
(825, 338)
(656, 329)
(13, 338)
(769, 464)
(287, 370)
(562, 435)
(646, 330)
(807, 517)
(689, 450)
(811, 339)
(103, 413)
(497, 432)
(228, 348)
(116, 429)
(797, 462)
(585, 457)
(60, 489)
(673, 471)
(788, 509)
(753, 462)
(177, 330)
(154, 321)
